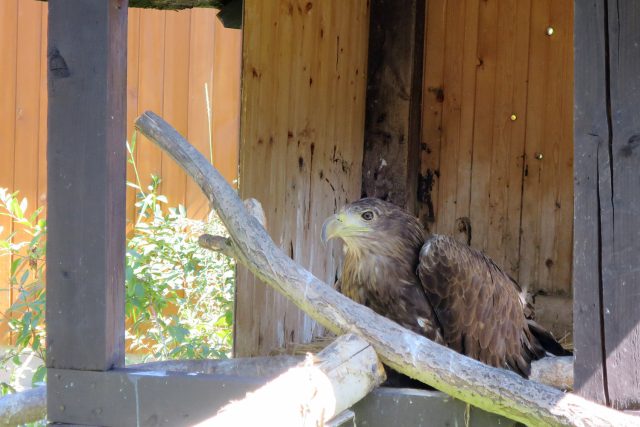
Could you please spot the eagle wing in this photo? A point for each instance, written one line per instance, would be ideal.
(477, 305)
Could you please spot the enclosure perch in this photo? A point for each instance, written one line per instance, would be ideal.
(24, 407)
(311, 393)
(494, 390)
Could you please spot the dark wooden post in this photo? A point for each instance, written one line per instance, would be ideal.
(391, 161)
(86, 177)
(606, 278)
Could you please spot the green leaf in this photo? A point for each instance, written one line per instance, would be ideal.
(24, 277)
(178, 332)
(16, 210)
(39, 375)
(15, 265)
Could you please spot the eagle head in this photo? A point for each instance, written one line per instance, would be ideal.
(373, 223)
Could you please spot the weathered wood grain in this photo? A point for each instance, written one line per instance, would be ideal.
(607, 320)
(450, 152)
(394, 100)
(493, 389)
(483, 126)
(304, 76)
(621, 289)
(86, 177)
(174, 4)
(591, 131)
(497, 93)
(432, 101)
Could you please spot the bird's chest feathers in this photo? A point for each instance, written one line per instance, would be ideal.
(370, 278)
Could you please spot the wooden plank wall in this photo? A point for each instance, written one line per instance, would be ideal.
(607, 217)
(497, 133)
(303, 104)
(171, 55)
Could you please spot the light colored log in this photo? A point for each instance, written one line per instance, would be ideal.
(312, 393)
(554, 371)
(492, 389)
(24, 407)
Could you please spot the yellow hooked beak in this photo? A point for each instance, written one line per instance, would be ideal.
(342, 225)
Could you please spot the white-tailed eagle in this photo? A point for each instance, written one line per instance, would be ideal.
(435, 286)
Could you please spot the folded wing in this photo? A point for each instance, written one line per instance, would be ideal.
(478, 305)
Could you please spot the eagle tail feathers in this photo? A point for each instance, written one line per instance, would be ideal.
(546, 340)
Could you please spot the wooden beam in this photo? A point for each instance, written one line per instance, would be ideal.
(30, 405)
(590, 132)
(230, 11)
(607, 204)
(175, 4)
(394, 101)
(86, 178)
(130, 397)
(179, 399)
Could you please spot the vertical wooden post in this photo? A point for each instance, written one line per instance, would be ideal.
(86, 177)
(391, 161)
(606, 275)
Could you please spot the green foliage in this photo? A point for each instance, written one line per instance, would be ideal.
(25, 317)
(179, 297)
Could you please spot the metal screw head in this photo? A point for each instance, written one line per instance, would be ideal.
(550, 31)
(513, 117)
(539, 156)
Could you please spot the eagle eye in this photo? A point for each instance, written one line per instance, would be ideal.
(367, 215)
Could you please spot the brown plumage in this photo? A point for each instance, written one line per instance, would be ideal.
(435, 286)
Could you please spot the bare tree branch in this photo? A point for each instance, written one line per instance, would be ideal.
(492, 389)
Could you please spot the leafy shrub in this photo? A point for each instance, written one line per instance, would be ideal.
(179, 297)
(25, 317)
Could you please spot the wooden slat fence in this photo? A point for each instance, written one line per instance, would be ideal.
(171, 57)
(497, 133)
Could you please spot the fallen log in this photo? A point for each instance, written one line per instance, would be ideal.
(311, 393)
(492, 389)
(24, 407)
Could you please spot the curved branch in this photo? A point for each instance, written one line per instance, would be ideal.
(494, 390)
